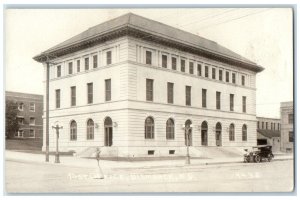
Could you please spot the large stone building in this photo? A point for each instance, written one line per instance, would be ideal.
(30, 111)
(268, 132)
(287, 126)
(132, 85)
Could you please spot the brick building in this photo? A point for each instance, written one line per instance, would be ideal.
(287, 126)
(132, 85)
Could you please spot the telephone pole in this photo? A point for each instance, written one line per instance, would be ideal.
(57, 136)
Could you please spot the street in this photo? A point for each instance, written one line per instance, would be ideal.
(29, 177)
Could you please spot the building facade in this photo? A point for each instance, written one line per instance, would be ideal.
(30, 111)
(268, 132)
(135, 86)
(287, 126)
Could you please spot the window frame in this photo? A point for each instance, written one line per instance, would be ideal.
(87, 63)
(170, 92)
(95, 61)
(73, 95)
(182, 65)
(188, 95)
(90, 93)
(109, 60)
(73, 131)
(191, 67)
(170, 129)
(174, 63)
(149, 89)
(90, 129)
(107, 89)
(164, 61)
(148, 60)
(244, 101)
(149, 127)
(231, 132)
(244, 133)
(32, 105)
(57, 98)
(218, 100)
(231, 104)
(204, 98)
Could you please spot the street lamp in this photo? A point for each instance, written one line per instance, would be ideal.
(57, 127)
(187, 139)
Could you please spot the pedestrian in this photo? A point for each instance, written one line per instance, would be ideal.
(100, 173)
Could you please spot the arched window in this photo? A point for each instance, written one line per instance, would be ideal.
(149, 128)
(170, 129)
(218, 134)
(244, 133)
(90, 129)
(231, 132)
(204, 133)
(73, 130)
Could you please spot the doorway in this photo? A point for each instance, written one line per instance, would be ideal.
(108, 132)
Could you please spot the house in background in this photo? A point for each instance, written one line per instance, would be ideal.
(30, 107)
(287, 126)
(137, 87)
(268, 132)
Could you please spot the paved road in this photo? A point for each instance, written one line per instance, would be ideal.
(258, 177)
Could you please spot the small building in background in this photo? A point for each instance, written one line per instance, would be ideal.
(287, 126)
(30, 107)
(268, 132)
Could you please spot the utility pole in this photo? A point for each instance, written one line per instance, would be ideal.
(57, 136)
(47, 109)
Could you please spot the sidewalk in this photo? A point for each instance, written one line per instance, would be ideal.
(110, 165)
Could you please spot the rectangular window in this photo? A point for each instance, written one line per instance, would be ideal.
(70, 68)
(244, 103)
(73, 96)
(58, 71)
(86, 63)
(206, 72)
(233, 78)
(32, 121)
(57, 97)
(21, 120)
(218, 100)
(90, 93)
(148, 57)
(31, 133)
(243, 80)
(199, 69)
(78, 65)
(149, 89)
(291, 118)
(170, 92)
(95, 61)
(182, 65)
(164, 61)
(227, 77)
(291, 136)
(32, 107)
(231, 102)
(204, 98)
(108, 58)
(191, 68)
(213, 73)
(174, 63)
(267, 125)
(220, 75)
(107, 89)
(188, 95)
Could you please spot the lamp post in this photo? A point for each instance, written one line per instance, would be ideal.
(57, 127)
(187, 139)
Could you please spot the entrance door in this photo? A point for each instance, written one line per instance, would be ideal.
(218, 134)
(108, 132)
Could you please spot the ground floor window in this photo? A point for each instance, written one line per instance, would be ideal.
(149, 128)
(231, 132)
(170, 129)
(244, 133)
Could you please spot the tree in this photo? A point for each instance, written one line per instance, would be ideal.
(11, 121)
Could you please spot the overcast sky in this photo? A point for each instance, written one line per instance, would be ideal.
(261, 35)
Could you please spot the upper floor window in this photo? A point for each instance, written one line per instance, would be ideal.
(191, 70)
(262, 125)
(206, 71)
(149, 128)
(107, 89)
(95, 61)
(164, 61)
(73, 96)
(231, 102)
(243, 80)
(278, 126)
(21, 106)
(204, 98)
(70, 68)
(174, 63)
(170, 129)
(108, 58)
(32, 121)
(182, 63)
(233, 78)
(218, 100)
(291, 118)
(31, 133)
(199, 69)
(220, 75)
(213, 73)
(244, 104)
(78, 65)
(267, 125)
(21, 120)
(90, 93)
(32, 107)
(86, 63)
(188, 95)
(149, 89)
(58, 71)
(148, 57)
(57, 97)
(170, 92)
(227, 76)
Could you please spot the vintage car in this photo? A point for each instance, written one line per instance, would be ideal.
(259, 153)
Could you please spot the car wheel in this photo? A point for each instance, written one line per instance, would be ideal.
(270, 157)
(257, 159)
(247, 159)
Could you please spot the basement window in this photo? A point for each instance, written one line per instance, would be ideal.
(151, 152)
(171, 152)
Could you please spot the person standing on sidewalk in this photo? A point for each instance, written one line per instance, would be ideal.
(100, 173)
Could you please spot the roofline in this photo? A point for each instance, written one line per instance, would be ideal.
(127, 29)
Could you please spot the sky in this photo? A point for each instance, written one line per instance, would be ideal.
(263, 35)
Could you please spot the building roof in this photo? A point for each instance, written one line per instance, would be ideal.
(156, 29)
(269, 133)
(23, 95)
